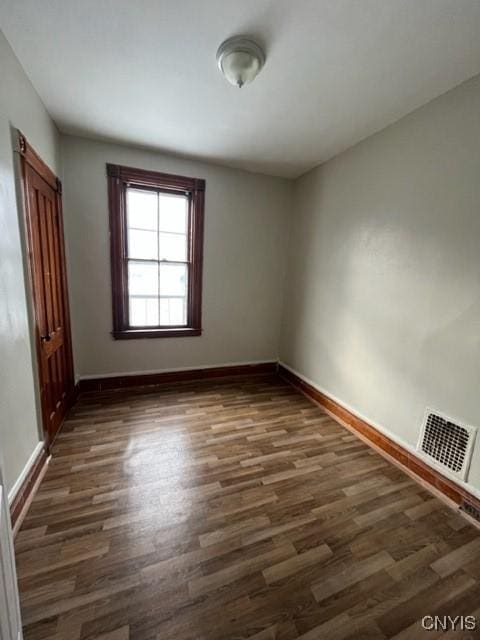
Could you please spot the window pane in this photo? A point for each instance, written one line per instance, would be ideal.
(173, 213)
(173, 311)
(142, 244)
(173, 246)
(143, 312)
(142, 209)
(173, 280)
(142, 279)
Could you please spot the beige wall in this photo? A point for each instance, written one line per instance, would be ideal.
(382, 307)
(20, 107)
(246, 218)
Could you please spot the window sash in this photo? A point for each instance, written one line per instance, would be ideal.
(158, 262)
(158, 296)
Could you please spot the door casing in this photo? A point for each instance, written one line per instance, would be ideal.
(10, 619)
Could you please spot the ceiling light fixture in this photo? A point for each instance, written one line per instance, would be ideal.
(240, 60)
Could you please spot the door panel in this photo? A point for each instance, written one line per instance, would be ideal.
(50, 300)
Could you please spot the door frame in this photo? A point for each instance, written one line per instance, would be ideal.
(28, 156)
(10, 620)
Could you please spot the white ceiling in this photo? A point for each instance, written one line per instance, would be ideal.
(144, 72)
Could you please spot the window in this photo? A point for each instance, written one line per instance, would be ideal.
(156, 238)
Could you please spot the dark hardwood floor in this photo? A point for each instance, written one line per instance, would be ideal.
(234, 509)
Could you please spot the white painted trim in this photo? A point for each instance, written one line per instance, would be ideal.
(30, 497)
(10, 619)
(19, 481)
(470, 488)
(153, 371)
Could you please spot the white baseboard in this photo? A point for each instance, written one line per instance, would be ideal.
(21, 478)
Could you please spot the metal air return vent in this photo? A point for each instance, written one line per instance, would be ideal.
(446, 444)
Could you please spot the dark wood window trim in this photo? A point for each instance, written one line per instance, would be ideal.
(119, 178)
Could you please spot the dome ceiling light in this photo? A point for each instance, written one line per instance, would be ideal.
(240, 60)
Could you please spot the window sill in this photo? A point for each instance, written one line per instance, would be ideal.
(135, 334)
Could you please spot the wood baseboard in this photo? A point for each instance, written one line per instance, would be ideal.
(26, 490)
(141, 380)
(404, 458)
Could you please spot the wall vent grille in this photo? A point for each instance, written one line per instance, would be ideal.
(447, 443)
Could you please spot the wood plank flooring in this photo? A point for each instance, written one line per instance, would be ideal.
(227, 510)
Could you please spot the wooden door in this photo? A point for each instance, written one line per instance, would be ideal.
(49, 284)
